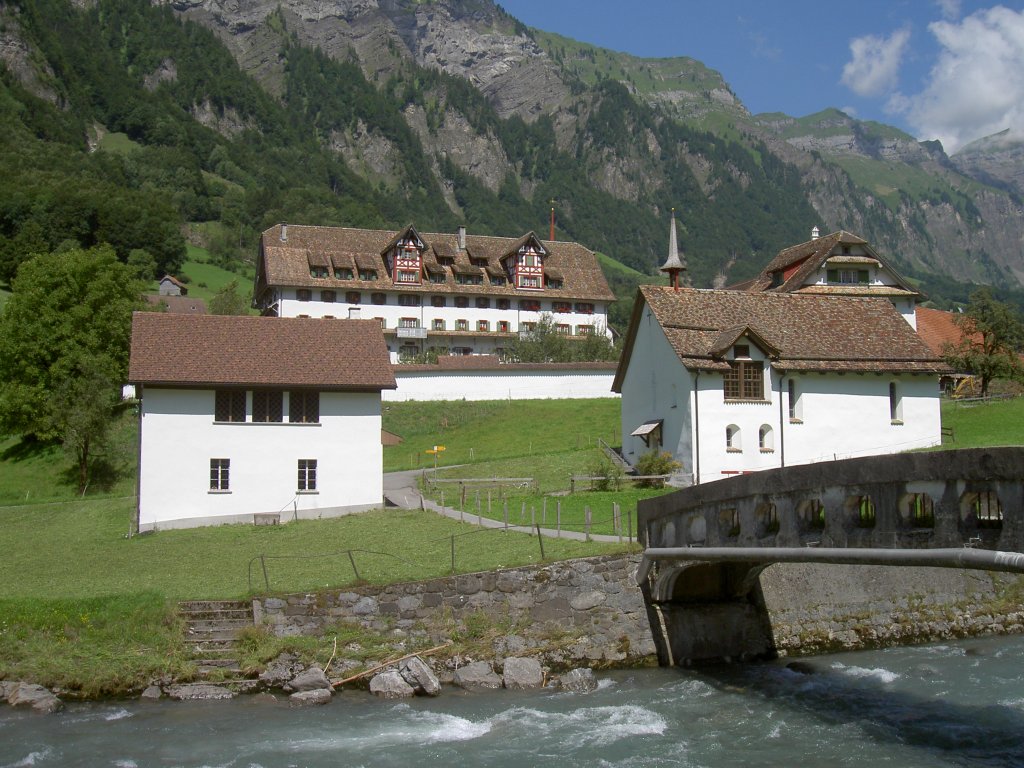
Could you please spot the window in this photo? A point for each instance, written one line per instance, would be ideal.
(438, 277)
(303, 406)
(529, 305)
(503, 326)
(383, 323)
(318, 271)
(229, 405)
(407, 276)
(408, 322)
(561, 306)
(483, 325)
(378, 298)
(353, 297)
(342, 273)
(502, 303)
(527, 281)
(304, 294)
(438, 301)
(553, 282)
(367, 274)
(527, 327)
(328, 296)
(469, 279)
(895, 404)
(307, 475)
(267, 406)
(847, 276)
(461, 302)
(461, 325)
(584, 330)
(732, 439)
(744, 380)
(438, 324)
(563, 328)
(220, 474)
(408, 300)
(764, 439)
(498, 280)
(482, 302)
(795, 411)
(584, 308)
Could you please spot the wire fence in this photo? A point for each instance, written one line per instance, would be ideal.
(482, 548)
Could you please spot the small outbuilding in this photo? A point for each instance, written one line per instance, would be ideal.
(252, 419)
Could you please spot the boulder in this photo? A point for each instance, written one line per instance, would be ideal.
(35, 696)
(199, 692)
(310, 698)
(579, 680)
(311, 680)
(417, 674)
(280, 671)
(477, 676)
(519, 673)
(152, 693)
(391, 685)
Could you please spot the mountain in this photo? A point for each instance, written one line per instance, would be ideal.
(236, 114)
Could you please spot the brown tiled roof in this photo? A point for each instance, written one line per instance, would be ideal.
(205, 350)
(809, 332)
(806, 258)
(938, 329)
(285, 263)
(178, 305)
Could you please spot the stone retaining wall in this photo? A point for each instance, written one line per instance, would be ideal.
(590, 611)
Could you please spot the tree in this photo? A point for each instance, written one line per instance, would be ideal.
(546, 344)
(992, 335)
(228, 301)
(64, 342)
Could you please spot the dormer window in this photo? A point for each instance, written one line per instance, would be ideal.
(317, 271)
(848, 276)
(529, 267)
(367, 274)
(342, 273)
(408, 260)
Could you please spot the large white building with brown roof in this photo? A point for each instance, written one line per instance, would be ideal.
(731, 382)
(839, 264)
(449, 293)
(248, 419)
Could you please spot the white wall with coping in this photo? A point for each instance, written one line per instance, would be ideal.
(838, 415)
(179, 437)
(578, 383)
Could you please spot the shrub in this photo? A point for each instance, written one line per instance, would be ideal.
(656, 463)
(609, 475)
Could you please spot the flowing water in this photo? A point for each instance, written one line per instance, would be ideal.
(956, 704)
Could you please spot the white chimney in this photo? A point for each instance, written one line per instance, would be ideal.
(815, 233)
(354, 313)
(461, 236)
(284, 233)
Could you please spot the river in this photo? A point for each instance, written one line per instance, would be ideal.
(952, 704)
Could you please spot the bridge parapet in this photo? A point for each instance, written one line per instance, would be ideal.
(969, 497)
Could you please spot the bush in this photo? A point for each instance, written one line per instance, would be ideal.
(656, 463)
(609, 475)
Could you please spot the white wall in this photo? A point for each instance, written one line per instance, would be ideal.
(179, 437)
(501, 385)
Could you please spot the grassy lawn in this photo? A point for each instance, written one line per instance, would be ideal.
(205, 279)
(977, 424)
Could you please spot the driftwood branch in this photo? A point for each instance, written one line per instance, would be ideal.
(364, 673)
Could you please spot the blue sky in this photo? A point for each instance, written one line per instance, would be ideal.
(951, 70)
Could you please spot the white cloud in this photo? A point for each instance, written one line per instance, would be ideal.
(976, 87)
(950, 9)
(874, 68)
(851, 111)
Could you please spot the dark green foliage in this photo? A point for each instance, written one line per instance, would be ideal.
(656, 463)
(230, 301)
(544, 344)
(992, 340)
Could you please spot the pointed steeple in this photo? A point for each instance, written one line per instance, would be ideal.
(673, 264)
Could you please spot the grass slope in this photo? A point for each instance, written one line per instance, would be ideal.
(978, 424)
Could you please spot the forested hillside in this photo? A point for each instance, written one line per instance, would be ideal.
(145, 125)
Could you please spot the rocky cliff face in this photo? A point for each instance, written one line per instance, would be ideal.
(906, 197)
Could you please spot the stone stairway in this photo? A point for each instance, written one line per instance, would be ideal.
(212, 628)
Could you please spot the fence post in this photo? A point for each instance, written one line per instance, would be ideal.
(462, 502)
(504, 506)
(353, 561)
(586, 522)
(453, 553)
(629, 526)
(558, 518)
(540, 540)
(572, 484)
(522, 513)
(617, 516)
(265, 579)
(544, 510)
(488, 502)
(533, 516)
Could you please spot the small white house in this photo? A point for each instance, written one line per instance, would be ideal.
(730, 382)
(251, 419)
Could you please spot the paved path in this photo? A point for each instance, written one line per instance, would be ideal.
(401, 491)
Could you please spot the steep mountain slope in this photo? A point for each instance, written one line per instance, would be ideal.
(241, 113)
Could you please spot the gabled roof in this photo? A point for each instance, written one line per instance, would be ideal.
(939, 329)
(214, 350)
(729, 336)
(181, 305)
(798, 262)
(807, 332)
(528, 238)
(285, 262)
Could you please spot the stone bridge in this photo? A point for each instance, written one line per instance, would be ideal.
(705, 546)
